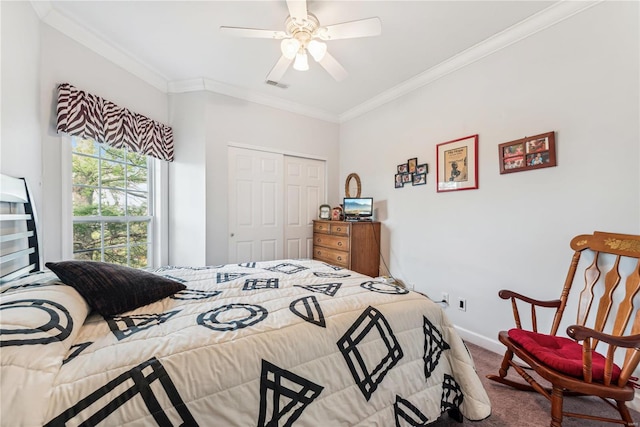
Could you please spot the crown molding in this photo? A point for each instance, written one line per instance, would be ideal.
(530, 26)
(203, 84)
(50, 16)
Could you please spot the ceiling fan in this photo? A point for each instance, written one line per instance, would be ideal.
(303, 34)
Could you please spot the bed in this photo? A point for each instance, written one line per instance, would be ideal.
(290, 342)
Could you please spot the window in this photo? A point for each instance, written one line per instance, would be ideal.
(112, 191)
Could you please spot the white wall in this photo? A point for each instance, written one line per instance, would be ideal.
(578, 78)
(187, 181)
(65, 60)
(20, 93)
(199, 173)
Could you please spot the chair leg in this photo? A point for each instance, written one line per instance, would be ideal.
(504, 367)
(624, 413)
(556, 407)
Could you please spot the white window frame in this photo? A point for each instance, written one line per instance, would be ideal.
(157, 200)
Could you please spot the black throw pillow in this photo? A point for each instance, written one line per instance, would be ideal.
(113, 289)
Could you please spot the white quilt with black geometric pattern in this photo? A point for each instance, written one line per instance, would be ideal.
(280, 343)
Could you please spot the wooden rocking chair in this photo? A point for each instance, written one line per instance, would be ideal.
(570, 367)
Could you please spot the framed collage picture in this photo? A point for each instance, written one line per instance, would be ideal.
(411, 173)
(534, 152)
(457, 165)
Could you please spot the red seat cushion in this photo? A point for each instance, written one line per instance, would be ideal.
(562, 354)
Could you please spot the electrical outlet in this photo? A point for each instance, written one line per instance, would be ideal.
(462, 304)
(445, 297)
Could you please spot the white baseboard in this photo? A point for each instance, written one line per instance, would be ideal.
(497, 347)
(480, 340)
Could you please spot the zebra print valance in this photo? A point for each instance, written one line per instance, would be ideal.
(88, 116)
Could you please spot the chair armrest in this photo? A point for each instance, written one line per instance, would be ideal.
(513, 296)
(506, 294)
(581, 333)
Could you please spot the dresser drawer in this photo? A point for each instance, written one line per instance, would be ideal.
(340, 228)
(330, 241)
(331, 256)
(321, 227)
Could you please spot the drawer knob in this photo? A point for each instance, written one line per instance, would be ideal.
(338, 229)
(339, 258)
(339, 243)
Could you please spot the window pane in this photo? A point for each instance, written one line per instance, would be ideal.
(137, 204)
(137, 178)
(116, 255)
(112, 202)
(136, 159)
(85, 170)
(139, 232)
(115, 233)
(112, 174)
(87, 255)
(85, 201)
(86, 235)
(85, 146)
(138, 256)
(107, 152)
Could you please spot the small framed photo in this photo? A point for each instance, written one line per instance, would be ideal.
(399, 182)
(457, 164)
(534, 152)
(324, 212)
(411, 165)
(423, 168)
(403, 168)
(407, 177)
(419, 178)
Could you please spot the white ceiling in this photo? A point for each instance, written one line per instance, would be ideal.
(177, 45)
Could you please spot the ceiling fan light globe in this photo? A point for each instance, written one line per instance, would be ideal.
(301, 63)
(317, 49)
(289, 48)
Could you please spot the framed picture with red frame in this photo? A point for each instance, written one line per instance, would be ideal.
(457, 164)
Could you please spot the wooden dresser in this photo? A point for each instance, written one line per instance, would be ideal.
(352, 245)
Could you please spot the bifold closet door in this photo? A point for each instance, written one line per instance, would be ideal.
(304, 192)
(255, 205)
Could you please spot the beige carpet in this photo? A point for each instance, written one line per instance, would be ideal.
(511, 407)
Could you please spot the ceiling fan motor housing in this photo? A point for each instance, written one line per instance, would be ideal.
(310, 24)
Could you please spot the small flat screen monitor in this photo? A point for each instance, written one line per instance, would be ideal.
(355, 208)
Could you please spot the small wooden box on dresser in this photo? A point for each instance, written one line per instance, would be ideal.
(349, 244)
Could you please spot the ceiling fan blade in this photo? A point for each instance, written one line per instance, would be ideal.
(348, 30)
(279, 69)
(253, 32)
(297, 9)
(333, 67)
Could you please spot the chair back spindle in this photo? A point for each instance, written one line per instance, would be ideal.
(625, 309)
(591, 276)
(564, 296)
